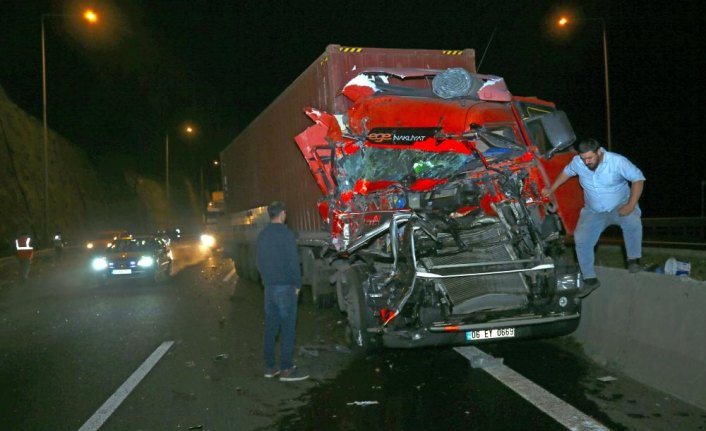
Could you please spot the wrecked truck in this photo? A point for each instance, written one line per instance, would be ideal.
(414, 185)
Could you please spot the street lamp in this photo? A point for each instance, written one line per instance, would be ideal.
(90, 16)
(563, 22)
(188, 130)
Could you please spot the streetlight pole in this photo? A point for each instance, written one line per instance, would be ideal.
(46, 139)
(166, 166)
(563, 22)
(91, 17)
(188, 130)
(607, 85)
(703, 183)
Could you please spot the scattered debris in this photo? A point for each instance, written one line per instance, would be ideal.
(222, 356)
(607, 379)
(190, 364)
(196, 427)
(362, 403)
(306, 351)
(314, 349)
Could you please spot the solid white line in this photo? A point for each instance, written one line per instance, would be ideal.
(107, 409)
(229, 276)
(556, 408)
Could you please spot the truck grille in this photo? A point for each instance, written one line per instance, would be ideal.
(487, 254)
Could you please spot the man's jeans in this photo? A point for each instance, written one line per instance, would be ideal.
(592, 224)
(280, 313)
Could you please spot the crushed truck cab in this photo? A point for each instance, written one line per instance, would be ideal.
(434, 229)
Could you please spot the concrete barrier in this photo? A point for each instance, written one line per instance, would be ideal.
(652, 328)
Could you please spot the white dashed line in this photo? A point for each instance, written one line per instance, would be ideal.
(107, 409)
(553, 406)
(229, 276)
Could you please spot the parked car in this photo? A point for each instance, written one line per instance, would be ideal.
(145, 257)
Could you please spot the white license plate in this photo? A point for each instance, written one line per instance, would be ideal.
(122, 271)
(488, 334)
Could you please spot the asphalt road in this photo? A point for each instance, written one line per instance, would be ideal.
(186, 355)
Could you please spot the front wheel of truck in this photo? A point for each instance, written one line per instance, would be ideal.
(360, 316)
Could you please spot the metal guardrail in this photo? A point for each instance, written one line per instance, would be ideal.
(687, 232)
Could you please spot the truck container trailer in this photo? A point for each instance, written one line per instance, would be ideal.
(414, 185)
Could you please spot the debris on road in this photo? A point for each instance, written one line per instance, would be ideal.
(362, 403)
(607, 379)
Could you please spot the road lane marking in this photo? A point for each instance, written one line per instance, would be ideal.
(556, 408)
(229, 276)
(107, 409)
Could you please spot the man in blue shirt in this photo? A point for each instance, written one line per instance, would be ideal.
(278, 263)
(612, 186)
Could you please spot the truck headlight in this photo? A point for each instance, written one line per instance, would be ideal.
(99, 263)
(208, 240)
(145, 262)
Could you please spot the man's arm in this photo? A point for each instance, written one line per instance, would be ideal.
(561, 179)
(635, 192)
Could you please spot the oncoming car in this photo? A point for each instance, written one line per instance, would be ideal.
(134, 257)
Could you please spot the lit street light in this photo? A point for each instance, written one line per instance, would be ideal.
(565, 21)
(92, 18)
(188, 130)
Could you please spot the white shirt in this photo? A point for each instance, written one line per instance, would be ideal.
(606, 188)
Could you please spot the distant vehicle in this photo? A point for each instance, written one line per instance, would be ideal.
(134, 257)
(104, 239)
(169, 235)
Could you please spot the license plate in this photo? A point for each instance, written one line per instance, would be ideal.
(122, 271)
(488, 334)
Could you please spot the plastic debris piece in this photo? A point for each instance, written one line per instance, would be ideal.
(190, 364)
(305, 351)
(222, 356)
(341, 348)
(607, 379)
(362, 403)
(196, 427)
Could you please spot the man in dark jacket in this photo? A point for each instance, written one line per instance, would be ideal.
(278, 263)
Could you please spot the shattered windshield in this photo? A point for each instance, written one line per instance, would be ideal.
(385, 164)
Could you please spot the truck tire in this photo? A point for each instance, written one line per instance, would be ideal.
(251, 258)
(359, 316)
(322, 291)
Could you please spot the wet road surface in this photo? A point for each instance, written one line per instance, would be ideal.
(67, 345)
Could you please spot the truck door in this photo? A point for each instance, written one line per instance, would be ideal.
(569, 197)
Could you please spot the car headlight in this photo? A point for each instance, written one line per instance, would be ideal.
(89, 245)
(208, 240)
(145, 261)
(99, 263)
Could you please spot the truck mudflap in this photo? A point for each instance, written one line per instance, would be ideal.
(456, 335)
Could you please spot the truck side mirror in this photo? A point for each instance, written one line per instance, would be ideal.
(559, 132)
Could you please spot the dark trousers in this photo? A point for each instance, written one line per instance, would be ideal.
(280, 316)
(24, 267)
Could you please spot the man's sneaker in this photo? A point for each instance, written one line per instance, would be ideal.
(634, 266)
(589, 285)
(271, 372)
(292, 375)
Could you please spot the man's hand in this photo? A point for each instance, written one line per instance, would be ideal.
(546, 192)
(626, 210)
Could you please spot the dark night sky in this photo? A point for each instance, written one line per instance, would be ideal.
(150, 65)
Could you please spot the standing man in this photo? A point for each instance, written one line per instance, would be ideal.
(58, 246)
(612, 186)
(24, 255)
(278, 263)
